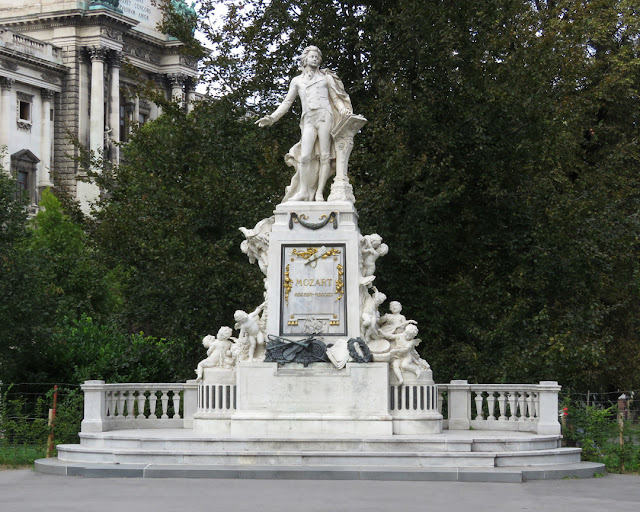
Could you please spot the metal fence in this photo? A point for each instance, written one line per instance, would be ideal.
(34, 417)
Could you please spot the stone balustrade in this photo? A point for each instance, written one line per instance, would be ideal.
(137, 405)
(28, 45)
(518, 407)
(217, 396)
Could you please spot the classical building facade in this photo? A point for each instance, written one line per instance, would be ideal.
(62, 81)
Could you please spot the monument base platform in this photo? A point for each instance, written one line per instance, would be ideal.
(457, 455)
(361, 400)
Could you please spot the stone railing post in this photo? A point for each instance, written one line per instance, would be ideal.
(189, 402)
(548, 407)
(94, 406)
(459, 395)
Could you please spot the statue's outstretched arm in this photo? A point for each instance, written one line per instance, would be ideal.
(283, 108)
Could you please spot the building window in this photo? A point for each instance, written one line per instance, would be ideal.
(23, 167)
(25, 107)
(25, 111)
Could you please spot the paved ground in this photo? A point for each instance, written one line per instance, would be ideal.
(25, 490)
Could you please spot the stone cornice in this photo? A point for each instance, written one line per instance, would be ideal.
(33, 60)
(76, 17)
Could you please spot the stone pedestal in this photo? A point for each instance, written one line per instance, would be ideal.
(313, 273)
(319, 400)
(414, 405)
(313, 287)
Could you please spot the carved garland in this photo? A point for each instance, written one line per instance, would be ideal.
(301, 219)
(288, 284)
(340, 283)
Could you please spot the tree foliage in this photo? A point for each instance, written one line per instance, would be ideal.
(172, 216)
(50, 275)
(498, 164)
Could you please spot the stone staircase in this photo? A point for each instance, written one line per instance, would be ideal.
(452, 455)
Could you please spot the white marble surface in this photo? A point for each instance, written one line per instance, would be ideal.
(327, 127)
(344, 238)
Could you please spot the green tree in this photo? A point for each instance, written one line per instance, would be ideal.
(13, 218)
(498, 163)
(50, 276)
(171, 220)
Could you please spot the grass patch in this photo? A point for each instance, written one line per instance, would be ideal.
(20, 455)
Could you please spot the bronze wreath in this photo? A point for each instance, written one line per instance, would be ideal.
(366, 356)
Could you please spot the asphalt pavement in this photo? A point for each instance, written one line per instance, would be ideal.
(24, 490)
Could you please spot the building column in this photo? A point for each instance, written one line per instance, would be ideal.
(83, 98)
(88, 192)
(44, 173)
(98, 56)
(136, 109)
(190, 94)
(114, 106)
(8, 118)
(177, 81)
(156, 110)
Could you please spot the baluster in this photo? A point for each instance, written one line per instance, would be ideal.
(478, 400)
(108, 403)
(130, 401)
(502, 401)
(533, 412)
(152, 404)
(522, 405)
(141, 400)
(491, 402)
(176, 405)
(121, 399)
(165, 403)
(512, 406)
(440, 398)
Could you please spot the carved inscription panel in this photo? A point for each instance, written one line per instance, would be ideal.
(313, 290)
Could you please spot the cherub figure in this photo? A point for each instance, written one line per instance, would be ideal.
(404, 356)
(256, 245)
(370, 314)
(218, 351)
(393, 322)
(372, 248)
(249, 326)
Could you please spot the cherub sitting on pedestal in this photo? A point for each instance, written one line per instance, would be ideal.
(249, 325)
(393, 322)
(404, 356)
(218, 351)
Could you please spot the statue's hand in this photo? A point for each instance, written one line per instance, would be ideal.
(346, 112)
(264, 121)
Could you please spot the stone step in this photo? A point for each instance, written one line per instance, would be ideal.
(451, 473)
(178, 440)
(288, 456)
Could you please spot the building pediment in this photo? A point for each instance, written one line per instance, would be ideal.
(26, 156)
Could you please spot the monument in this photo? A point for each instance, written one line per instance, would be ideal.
(317, 380)
(316, 356)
